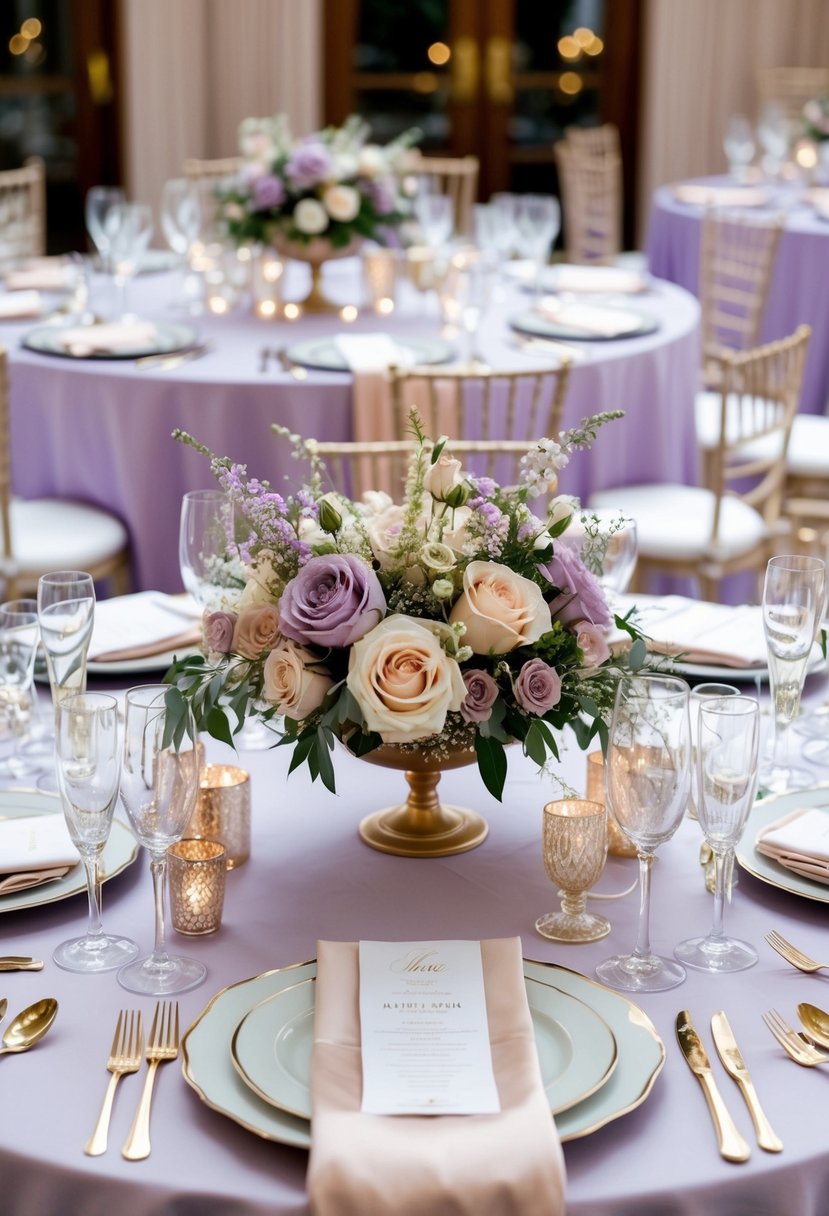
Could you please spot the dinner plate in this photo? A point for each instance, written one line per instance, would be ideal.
(323, 354)
(120, 850)
(208, 1066)
(728, 675)
(766, 868)
(150, 662)
(46, 341)
(271, 1047)
(538, 326)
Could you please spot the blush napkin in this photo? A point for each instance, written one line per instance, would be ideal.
(800, 842)
(590, 319)
(144, 624)
(507, 1164)
(34, 849)
(109, 338)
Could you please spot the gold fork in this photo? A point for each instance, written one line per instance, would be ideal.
(162, 1045)
(124, 1057)
(803, 962)
(791, 1042)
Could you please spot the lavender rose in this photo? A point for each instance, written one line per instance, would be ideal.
(334, 600)
(580, 597)
(268, 191)
(308, 164)
(537, 687)
(218, 632)
(256, 631)
(481, 694)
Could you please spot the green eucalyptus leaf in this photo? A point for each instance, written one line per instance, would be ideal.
(492, 764)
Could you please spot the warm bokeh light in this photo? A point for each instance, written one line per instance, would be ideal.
(349, 313)
(806, 155)
(570, 83)
(385, 306)
(595, 47)
(18, 44)
(292, 312)
(31, 28)
(583, 36)
(425, 82)
(568, 48)
(266, 308)
(272, 270)
(218, 305)
(439, 53)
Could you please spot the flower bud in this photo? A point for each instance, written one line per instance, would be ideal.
(443, 588)
(330, 518)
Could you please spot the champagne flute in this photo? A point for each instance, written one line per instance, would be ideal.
(89, 769)
(727, 746)
(794, 593)
(647, 772)
(65, 612)
(159, 786)
(18, 646)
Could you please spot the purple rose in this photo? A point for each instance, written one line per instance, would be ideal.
(580, 597)
(268, 191)
(218, 632)
(308, 164)
(481, 694)
(537, 687)
(334, 600)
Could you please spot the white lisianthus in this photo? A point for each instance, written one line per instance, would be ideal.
(342, 203)
(438, 557)
(310, 216)
(371, 161)
(561, 507)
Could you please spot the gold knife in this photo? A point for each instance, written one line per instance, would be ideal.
(732, 1145)
(19, 962)
(734, 1064)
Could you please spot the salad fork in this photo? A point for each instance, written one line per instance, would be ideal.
(124, 1058)
(803, 962)
(791, 1042)
(162, 1046)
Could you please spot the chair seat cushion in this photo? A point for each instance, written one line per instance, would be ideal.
(707, 409)
(675, 522)
(808, 454)
(56, 534)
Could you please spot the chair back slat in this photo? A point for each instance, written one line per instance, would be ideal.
(456, 176)
(602, 140)
(591, 196)
(22, 213)
(212, 170)
(736, 261)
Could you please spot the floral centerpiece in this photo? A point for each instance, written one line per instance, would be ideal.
(333, 184)
(456, 619)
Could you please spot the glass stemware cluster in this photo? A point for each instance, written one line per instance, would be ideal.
(121, 232)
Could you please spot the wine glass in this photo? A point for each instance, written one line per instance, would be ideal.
(180, 213)
(738, 143)
(701, 693)
(794, 594)
(575, 851)
(773, 133)
(537, 223)
(647, 771)
(89, 769)
(159, 786)
(435, 214)
(206, 544)
(65, 612)
(131, 227)
(18, 646)
(729, 736)
(100, 200)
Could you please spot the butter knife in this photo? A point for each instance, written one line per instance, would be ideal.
(734, 1064)
(20, 962)
(732, 1145)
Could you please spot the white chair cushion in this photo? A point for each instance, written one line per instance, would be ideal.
(808, 454)
(707, 406)
(675, 522)
(56, 534)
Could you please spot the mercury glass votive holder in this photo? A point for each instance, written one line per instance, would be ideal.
(619, 843)
(380, 279)
(575, 851)
(197, 872)
(223, 810)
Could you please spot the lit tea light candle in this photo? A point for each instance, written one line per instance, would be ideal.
(619, 844)
(385, 307)
(266, 308)
(292, 312)
(349, 313)
(196, 870)
(223, 810)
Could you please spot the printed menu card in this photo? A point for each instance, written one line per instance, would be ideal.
(424, 1030)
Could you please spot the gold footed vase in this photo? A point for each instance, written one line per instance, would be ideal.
(316, 253)
(422, 826)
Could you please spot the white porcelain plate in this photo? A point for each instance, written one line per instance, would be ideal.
(766, 868)
(46, 340)
(323, 354)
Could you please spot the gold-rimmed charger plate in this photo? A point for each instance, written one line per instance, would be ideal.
(208, 1066)
(766, 868)
(272, 1045)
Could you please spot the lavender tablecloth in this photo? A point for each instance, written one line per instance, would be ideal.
(799, 292)
(310, 877)
(100, 430)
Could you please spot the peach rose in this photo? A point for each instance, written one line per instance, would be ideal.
(593, 643)
(293, 679)
(256, 630)
(403, 681)
(501, 609)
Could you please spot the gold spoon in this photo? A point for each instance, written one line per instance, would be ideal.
(29, 1026)
(4, 1004)
(816, 1022)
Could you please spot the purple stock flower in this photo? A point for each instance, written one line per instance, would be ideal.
(268, 191)
(537, 687)
(481, 694)
(334, 600)
(580, 597)
(308, 164)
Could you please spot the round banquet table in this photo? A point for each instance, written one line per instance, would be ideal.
(100, 430)
(308, 878)
(799, 290)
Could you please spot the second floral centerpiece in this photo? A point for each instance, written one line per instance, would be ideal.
(421, 634)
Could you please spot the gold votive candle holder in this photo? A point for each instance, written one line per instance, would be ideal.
(618, 842)
(197, 870)
(223, 810)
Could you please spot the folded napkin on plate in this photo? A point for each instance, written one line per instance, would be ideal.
(34, 849)
(799, 841)
(600, 279)
(110, 337)
(507, 1164)
(43, 274)
(19, 304)
(720, 196)
(717, 634)
(589, 318)
(141, 625)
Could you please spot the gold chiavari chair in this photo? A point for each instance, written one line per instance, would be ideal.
(456, 176)
(22, 212)
(591, 196)
(598, 141)
(39, 535)
(791, 88)
(212, 170)
(731, 521)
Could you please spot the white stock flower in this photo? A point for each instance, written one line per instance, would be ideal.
(310, 216)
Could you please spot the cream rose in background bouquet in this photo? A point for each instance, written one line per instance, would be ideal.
(456, 619)
(333, 184)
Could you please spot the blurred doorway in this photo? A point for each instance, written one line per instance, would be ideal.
(59, 101)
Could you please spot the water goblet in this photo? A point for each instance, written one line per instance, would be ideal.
(19, 636)
(647, 773)
(159, 787)
(537, 223)
(435, 215)
(66, 610)
(206, 545)
(575, 851)
(89, 768)
(773, 133)
(727, 746)
(131, 227)
(794, 595)
(100, 200)
(738, 143)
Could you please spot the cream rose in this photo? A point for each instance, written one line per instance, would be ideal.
(342, 203)
(310, 216)
(403, 681)
(293, 680)
(384, 528)
(501, 609)
(442, 476)
(262, 579)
